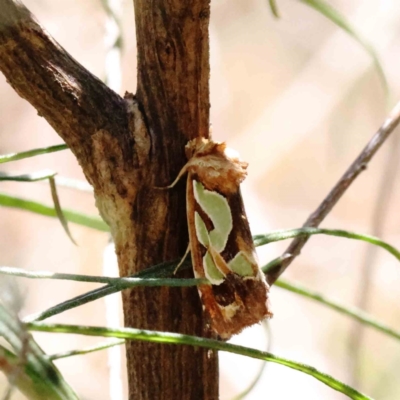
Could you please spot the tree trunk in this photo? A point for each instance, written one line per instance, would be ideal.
(126, 147)
(173, 75)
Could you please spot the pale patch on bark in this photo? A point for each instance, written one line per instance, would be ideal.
(139, 129)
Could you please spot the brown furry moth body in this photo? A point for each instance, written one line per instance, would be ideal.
(221, 245)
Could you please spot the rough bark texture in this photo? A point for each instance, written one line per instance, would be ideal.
(126, 147)
(173, 74)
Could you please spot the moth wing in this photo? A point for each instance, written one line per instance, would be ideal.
(238, 296)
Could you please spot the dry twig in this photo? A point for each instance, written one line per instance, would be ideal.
(359, 165)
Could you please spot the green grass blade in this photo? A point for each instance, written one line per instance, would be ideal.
(39, 208)
(352, 312)
(98, 347)
(118, 284)
(27, 367)
(73, 303)
(274, 8)
(175, 338)
(340, 20)
(69, 183)
(124, 283)
(31, 153)
(40, 176)
(57, 207)
(275, 236)
(31, 380)
(276, 262)
(157, 271)
(34, 177)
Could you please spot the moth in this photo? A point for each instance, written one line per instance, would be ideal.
(221, 245)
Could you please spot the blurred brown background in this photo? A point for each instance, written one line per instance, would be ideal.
(299, 99)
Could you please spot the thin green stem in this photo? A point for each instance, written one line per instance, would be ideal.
(341, 21)
(274, 8)
(275, 236)
(46, 174)
(160, 270)
(119, 284)
(27, 367)
(352, 312)
(39, 208)
(101, 346)
(40, 176)
(276, 262)
(175, 338)
(122, 283)
(33, 177)
(73, 303)
(32, 153)
(57, 207)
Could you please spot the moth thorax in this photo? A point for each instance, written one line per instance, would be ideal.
(218, 174)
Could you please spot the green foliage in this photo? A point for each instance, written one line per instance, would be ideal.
(276, 236)
(274, 8)
(39, 208)
(341, 21)
(176, 338)
(33, 372)
(27, 367)
(32, 153)
(159, 275)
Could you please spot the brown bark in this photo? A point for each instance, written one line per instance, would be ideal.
(126, 147)
(173, 74)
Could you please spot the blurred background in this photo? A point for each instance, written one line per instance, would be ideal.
(299, 99)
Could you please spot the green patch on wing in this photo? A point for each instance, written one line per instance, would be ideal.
(241, 265)
(213, 274)
(201, 230)
(217, 209)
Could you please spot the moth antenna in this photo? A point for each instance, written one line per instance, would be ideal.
(181, 173)
(182, 259)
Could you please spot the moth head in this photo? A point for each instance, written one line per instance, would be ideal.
(217, 167)
(199, 147)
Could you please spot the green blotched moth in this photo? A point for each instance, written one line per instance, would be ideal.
(221, 245)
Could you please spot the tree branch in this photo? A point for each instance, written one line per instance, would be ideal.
(126, 147)
(74, 102)
(359, 165)
(173, 91)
